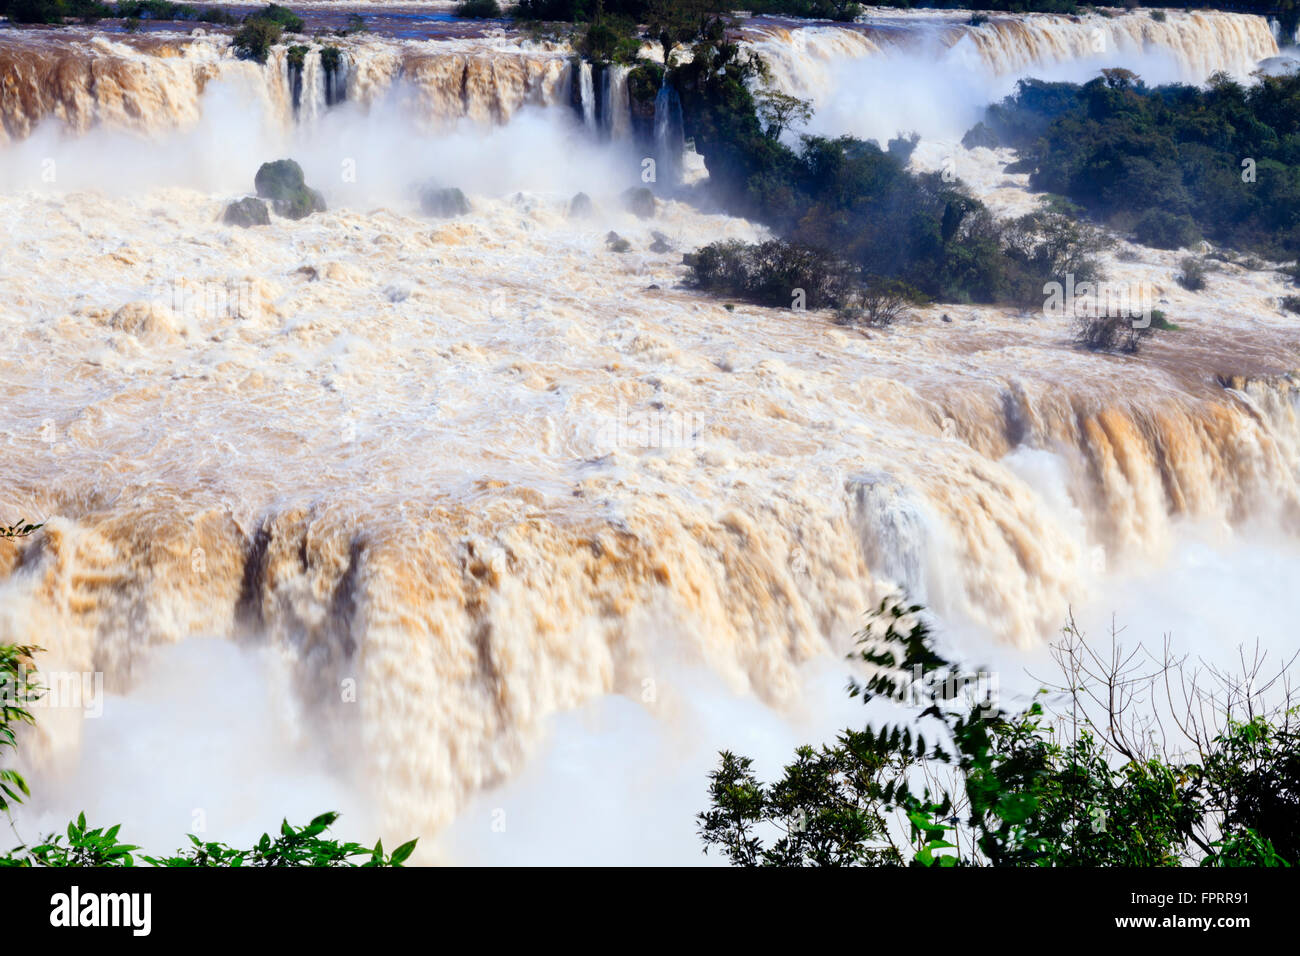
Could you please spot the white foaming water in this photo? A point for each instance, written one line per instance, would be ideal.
(408, 456)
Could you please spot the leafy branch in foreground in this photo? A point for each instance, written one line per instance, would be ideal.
(294, 846)
(1089, 784)
(18, 688)
(20, 530)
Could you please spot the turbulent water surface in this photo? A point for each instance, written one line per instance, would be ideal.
(479, 530)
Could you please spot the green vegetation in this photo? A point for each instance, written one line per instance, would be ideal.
(253, 41)
(609, 39)
(885, 225)
(54, 11)
(1192, 274)
(1088, 785)
(90, 11)
(164, 10)
(840, 10)
(1111, 333)
(283, 16)
(1168, 164)
(293, 846)
(478, 10)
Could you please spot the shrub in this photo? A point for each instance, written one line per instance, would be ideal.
(1165, 230)
(285, 18)
(478, 10)
(1159, 16)
(878, 303)
(253, 41)
(54, 11)
(1291, 303)
(1161, 321)
(1110, 333)
(1192, 274)
(609, 40)
(771, 273)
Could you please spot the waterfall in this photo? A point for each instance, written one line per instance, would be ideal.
(335, 67)
(617, 108)
(150, 84)
(588, 95)
(668, 133)
(1275, 27)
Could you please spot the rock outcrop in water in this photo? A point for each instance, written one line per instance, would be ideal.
(580, 207)
(283, 183)
(444, 202)
(640, 202)
(249, 211)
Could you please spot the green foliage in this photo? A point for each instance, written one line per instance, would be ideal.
(283, 16)
(1192, 274)
(1006, 789)
(1170, 163)
(768, 273)
(253, 41)
(859, 200)
(20, 530)
(839, 10)
(166, 10)
(18, 690)
(609, 39)
(293, 846)
(283, 183)
(478, 10)
(54, 11)
(1162, 229)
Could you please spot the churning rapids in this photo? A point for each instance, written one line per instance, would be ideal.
(478, 530)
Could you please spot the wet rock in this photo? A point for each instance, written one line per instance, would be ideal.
(640, 202)
(283, 183)
(249, 211)
(617, 243)
(445, 203)
(146, 320)
(661, 243)
(580, 207)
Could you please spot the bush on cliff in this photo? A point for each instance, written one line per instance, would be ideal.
(253, 41)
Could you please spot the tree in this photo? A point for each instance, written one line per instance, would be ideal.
(781, 111)
(1088, 783)
(671, 23)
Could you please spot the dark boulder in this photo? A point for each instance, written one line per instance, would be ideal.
(283, 183)
(580, 207)
(444, 203)
(248, 211)
(640, 202)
